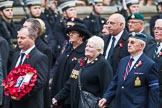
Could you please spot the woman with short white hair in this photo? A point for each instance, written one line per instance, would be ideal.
(99, 43)
(94, 71)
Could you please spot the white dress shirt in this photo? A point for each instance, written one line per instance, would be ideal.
(117, 37)
(26, 53)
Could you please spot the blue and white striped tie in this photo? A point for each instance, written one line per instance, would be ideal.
(156, 50)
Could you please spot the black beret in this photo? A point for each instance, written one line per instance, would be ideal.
(140, 36)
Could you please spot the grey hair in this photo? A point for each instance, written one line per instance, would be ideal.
(142, 42)
(31, 32)
(99, 43)
(35, 25)
(158, 21)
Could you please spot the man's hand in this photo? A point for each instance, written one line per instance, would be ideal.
(54, 101)
(102, 103)
(14, 98)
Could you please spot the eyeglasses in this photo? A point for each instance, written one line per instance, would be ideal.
(157, 28)
(112, 23)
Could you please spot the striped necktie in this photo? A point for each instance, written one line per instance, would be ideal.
(156, 50)
(21, 58)
(128, 67)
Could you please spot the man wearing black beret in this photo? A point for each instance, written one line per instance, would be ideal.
(136, 83)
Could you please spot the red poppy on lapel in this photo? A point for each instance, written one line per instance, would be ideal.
(159, 54)
(138, 64)
(81, 62)
(27, 56)
(121, 44)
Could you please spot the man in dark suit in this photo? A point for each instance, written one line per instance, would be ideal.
(136, 83)
(39, 26)
(155, 53)
(26, 42)
(136, 24)
(117, 31)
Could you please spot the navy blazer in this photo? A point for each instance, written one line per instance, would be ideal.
(139, 90)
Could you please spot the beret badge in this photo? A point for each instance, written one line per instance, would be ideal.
(132, 16)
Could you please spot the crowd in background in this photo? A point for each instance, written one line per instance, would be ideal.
(105, 2)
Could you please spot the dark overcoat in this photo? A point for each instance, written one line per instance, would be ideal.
(95, 76)
(65, 64)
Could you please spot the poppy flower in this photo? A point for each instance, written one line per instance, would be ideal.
(138, 64)
(27, 56)
(14, 85)
(121, 44)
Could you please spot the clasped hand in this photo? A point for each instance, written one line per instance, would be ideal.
(102, 103)
(54, 101)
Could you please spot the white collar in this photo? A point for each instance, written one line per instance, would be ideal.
(28, 50)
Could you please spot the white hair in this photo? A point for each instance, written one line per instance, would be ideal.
(99, 43)
(142, 42)
(158, 21)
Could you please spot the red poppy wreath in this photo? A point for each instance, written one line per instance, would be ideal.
(20, 81)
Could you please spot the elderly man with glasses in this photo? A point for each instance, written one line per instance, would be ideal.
(155, 52)
(136, 24)
(116, 41)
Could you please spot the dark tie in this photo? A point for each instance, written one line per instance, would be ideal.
(111, 48)
(156, 50)
(21, 58)
(128, 67)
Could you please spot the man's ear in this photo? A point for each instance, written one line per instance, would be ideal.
(142, 46)
(28, 10)
(0, 12)
(64, 14)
